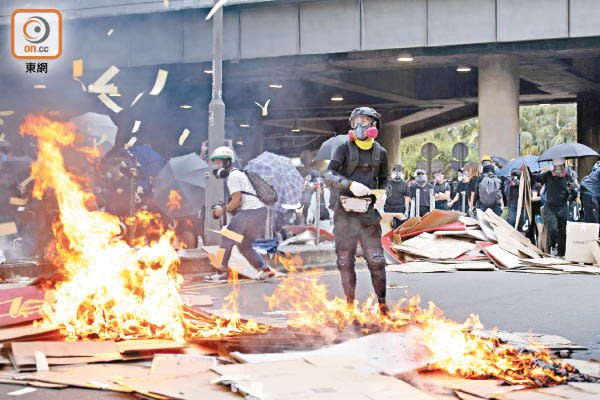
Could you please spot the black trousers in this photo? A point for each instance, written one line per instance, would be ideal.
(251, 224)
(348, 229)
(555, 220)
(590, 207)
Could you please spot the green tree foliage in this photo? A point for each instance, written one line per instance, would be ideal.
(542, 127)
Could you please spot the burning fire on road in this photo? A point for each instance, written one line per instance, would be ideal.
(113, 289)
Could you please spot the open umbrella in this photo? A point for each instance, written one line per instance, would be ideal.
(567, 150)
(99, 130)
(281, 173)
(150, 160)
(329, 146)
(179, 186)
(531, 161)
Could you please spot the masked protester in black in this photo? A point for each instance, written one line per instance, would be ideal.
(511, 191)
(590, 191)
(398, 200)
(422, 188)
(559, 188)
(356, 167)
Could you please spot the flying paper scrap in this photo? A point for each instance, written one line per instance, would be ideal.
(265, 108)
(110, 32)
(81, 83)
(77, 68)
(109, 103)
(6, 113)
(136, 126)
(184, 136)
(215, 8)
(101, 85)
(236, 237)
(159, 83)
(130, 143)
(137, 98)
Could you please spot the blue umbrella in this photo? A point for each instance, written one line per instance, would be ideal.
(150, 160)
(531, 161)
(279, 172)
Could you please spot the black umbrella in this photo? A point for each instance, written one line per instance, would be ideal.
(329, 146)
(567, 150)
(179, 186)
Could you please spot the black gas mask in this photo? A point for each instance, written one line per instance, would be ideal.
(223, 172)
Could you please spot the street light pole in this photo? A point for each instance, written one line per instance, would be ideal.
(216, 127)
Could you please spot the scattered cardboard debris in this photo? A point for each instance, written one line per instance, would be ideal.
(508, 238)
(23, 331)
(147, 345)
(200, 300)
(20, 305)
(166, 365)
(595, 250)
(426, 245)
(159, 83)
(420, 267)
(110, 32)
(41, 364)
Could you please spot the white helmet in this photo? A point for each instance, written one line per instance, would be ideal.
(222, 153)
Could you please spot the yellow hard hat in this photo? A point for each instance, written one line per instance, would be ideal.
(486, 158)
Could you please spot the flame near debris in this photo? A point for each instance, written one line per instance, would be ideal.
(110, 289)
(460, 349)
(115, 290)
(174, 202)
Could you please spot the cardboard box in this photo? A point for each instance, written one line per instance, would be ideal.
(579, 234)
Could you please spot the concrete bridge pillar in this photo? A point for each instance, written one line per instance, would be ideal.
(498, 89)
(588, 128)
(390, 139)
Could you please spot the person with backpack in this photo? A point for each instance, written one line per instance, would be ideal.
(488, 188)
(357, 167)
(250, 212)
(420, 193)
(398, 200)
(559, 188)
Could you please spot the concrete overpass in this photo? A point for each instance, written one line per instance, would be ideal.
(518, 52)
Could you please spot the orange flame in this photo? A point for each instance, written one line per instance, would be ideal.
(174, 202)
(460, 350)
(111, 289)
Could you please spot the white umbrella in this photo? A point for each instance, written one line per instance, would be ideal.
(99, 130)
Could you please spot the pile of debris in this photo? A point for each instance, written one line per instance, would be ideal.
(378, 366)
(447, 241)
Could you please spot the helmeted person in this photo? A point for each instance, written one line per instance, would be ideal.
(398, 196)
(250, 212)
(558, 187)
(421, 190)
(357, 167)
(590, 192)
(488, 188)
